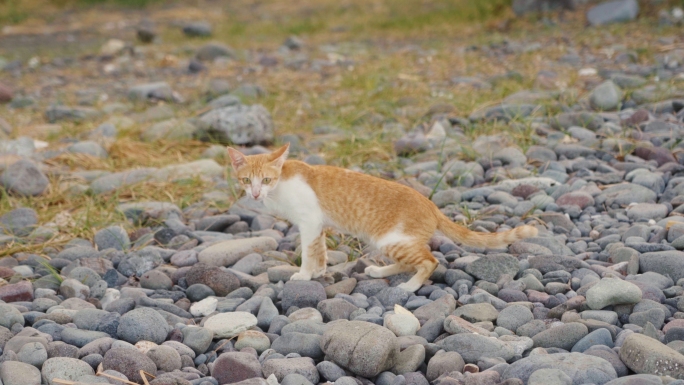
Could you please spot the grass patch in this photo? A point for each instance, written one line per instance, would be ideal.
(11, 12)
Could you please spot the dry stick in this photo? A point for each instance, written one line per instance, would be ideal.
(65, 382)
(115, 378)
(223, 344)
(149, 374)
(142, 374)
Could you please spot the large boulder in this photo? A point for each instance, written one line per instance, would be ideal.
(646, 355)
(364, 348)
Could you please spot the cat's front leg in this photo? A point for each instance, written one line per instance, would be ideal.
(308, 235)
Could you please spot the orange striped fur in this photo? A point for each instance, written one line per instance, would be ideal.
(393, 217)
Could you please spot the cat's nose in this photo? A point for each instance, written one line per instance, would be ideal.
(256, 195)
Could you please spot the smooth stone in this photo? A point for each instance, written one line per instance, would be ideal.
(228, 325)
(646, 355)
(612, 292)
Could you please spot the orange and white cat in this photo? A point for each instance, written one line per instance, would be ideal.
(394, 218)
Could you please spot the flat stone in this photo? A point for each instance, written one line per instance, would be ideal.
(645, 355)
(491, 267)
(582, 369)
(477, 312)
(612, 292)
(228, 325)
(613, 12)
(226, 253)
(473, 347)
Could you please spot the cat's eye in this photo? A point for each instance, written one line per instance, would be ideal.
(266, 180)
(245, 180)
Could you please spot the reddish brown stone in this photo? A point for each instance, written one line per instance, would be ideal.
(577, 198)
(234, 367)
(6, 94)
(22, 291)
(221, 282)
(139, 233)
(523, 191)
(6, 272)
(659, 154)
(639, 116)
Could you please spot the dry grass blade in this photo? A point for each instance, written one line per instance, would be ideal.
(75, 160)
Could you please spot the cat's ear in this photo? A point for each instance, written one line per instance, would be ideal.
(279, 156)
(237, 159)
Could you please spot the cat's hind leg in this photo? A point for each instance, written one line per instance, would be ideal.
(318, 253)
(386, 271)
(310, 237)
(417, 256)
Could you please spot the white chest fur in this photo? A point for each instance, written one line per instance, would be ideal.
(294, 200)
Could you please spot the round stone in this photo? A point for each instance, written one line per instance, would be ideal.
(514, 316)
(33, 353)
(165, 358)
(143, 324)
(128, 362)
(64, 368)
(19, 373)
(254, 339)
(156, 280)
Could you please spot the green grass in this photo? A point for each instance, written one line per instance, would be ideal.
(11, 12)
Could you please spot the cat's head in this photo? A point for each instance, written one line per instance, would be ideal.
(258, 174)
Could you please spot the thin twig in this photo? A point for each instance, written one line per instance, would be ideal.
(115, 378)
(223, 344)
(64, 382)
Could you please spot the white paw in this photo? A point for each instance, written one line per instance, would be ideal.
(300, 277)
(373, 271)
(318, 273)
(410, 288)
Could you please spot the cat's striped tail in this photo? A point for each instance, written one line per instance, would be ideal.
(467, 237)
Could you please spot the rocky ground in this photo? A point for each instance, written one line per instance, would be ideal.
(125, 246)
